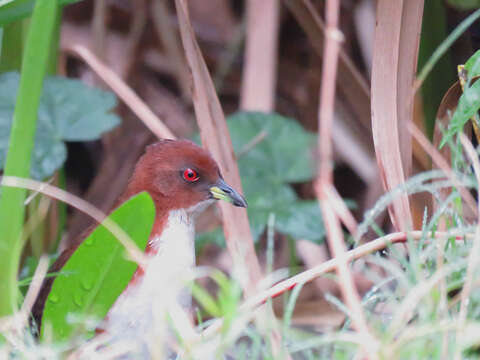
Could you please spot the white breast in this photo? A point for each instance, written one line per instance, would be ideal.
(133, 313)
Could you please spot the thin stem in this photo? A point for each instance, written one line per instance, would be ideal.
(324, 182)
(124, 92)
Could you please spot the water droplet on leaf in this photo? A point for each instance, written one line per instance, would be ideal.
(53, 298)
(78, 300)
(89, 241)
(86, 285)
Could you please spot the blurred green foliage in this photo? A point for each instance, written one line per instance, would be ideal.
(273, 153)
(69, 110)
(469, 102)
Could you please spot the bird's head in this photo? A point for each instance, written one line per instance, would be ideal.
(179, 174)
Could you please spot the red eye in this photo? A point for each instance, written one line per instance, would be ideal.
(190, 175)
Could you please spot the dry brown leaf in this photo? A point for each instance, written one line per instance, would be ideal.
(394, 69)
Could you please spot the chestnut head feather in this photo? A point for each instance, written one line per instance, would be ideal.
(179, 174)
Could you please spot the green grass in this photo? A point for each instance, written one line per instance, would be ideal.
(12, 211)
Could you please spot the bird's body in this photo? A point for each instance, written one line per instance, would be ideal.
(182, 179)
(171, 257)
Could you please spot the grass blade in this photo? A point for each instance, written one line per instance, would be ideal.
(12, 211)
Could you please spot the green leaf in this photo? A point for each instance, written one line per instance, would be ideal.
(472, 66)
(302, 220)
(468, 105)
(205, 300)
(12, 46)
(49, 153)
(77, 111)
(267, 167)
(284, 155)
(272, 198)
(69, 111)
(98, 271)
(11, 10)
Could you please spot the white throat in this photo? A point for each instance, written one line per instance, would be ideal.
(174, 259)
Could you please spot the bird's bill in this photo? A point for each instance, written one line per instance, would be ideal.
(222, 191)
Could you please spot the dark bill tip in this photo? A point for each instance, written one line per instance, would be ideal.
(222, 191)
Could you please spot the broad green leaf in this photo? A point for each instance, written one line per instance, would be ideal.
(69, 111)
(267, 168)
(301, 220)
(77, 112)
(285, 153)
(272, 198)
(49, 153)
(98, 271)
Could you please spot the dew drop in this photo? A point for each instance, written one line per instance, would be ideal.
(86, 285)
(78, 300)
(53, 298)
(89, 241)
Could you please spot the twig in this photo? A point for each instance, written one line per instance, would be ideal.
(99, 30)
(346, 280)
(259, 71)
(474, 257)
(124, 92)
(167, 33)
(342, 210)
(257, 139)
(323, 184)
(34, 288)
(351, 82)
(135, 33)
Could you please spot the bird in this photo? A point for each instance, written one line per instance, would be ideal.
(183, 179)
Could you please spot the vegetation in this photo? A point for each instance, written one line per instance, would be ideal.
(400, 283)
